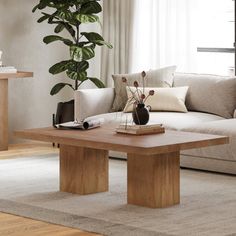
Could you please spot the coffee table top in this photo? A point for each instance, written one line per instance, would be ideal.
(106, 138)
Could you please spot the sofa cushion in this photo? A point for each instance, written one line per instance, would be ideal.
(155, 78)
(225, 127)
(164, 99)
(171, 120)
(209, 93)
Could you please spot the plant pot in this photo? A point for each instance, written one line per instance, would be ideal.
(65, 112)
(140, 114)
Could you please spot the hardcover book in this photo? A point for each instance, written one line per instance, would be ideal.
(140, 129)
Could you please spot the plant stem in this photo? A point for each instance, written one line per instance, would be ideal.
(146, 98)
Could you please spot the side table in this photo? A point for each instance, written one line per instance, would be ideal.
(4, 77)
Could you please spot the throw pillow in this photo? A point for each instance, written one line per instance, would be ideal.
(164, 99)
(154, 78)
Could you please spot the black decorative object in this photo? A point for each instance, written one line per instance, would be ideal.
(140, 114)
(65, 112)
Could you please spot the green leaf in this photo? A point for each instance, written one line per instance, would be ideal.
(43, 4)
(66, 15)
(83, 66)
(76, 53)
(41, 19)
(101, 43)
(69, 29)
(83, 18)
(58, 87)
(53, 38)
(81, 53)
(96, 38)
(91, 7)
(85, 1)
(60, 67)
(81, 76)
(35, 8)
(59, 28)
(52, 17)
(87, 53)
(44, 17)
(97, 82)
(66, 25)
(92, 36)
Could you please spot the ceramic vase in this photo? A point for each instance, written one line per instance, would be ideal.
(140, 114)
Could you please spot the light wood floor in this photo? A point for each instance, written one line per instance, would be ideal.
(18, 226)
(28, 149)
(11, 225)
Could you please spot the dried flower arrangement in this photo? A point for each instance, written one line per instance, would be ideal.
(138, 97)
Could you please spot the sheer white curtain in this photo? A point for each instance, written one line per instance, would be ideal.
(117, 29)
(163, 34)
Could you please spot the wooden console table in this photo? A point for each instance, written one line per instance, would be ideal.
(4, 77)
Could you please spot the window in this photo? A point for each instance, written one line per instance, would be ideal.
(195, 35)
(215, 36)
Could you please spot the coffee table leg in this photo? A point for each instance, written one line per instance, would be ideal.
(83, 170)
(3, 114)
(154, 181)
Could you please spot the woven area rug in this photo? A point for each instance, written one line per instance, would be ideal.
(29, 187)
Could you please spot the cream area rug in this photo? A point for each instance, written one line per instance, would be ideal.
(29, 187)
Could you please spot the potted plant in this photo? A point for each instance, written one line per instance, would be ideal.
(69, 15)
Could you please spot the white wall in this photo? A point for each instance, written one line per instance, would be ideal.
(30, 104)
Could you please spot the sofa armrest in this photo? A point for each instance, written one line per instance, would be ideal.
(91, 102)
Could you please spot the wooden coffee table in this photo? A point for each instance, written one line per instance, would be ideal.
(153, 161)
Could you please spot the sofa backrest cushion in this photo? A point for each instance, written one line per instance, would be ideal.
(154, 78)
(209, 93)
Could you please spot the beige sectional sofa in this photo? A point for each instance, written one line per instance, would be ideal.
(211, 104)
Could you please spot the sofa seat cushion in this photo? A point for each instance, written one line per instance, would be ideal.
(225, 127)
(171, 120)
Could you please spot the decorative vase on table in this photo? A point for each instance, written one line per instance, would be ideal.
(137, 96)
(140, 114)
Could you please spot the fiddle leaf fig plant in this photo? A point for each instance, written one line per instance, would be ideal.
(69, 15)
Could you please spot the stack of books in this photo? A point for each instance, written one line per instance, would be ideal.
(140, 129)
(8, 69)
